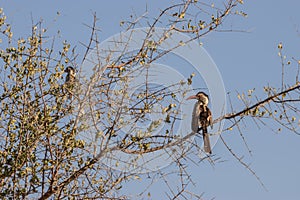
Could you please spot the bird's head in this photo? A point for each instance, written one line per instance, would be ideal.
(201, 97)
(70, 70)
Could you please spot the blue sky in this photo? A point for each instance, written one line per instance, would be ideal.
(246, 60)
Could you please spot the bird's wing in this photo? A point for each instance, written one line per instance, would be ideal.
(209, 118)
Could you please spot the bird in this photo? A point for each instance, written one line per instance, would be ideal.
(70, 80)
(202, 117)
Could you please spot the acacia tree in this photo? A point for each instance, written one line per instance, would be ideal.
(45, 123)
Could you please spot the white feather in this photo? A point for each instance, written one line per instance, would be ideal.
(195, 117)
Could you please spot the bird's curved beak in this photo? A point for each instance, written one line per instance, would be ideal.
(192, 97)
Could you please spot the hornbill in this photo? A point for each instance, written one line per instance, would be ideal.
(202, 118)
(70, 80)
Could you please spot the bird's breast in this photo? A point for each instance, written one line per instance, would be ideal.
(195, 117)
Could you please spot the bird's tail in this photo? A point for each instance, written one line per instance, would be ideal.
(207, 148)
